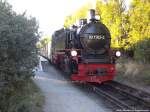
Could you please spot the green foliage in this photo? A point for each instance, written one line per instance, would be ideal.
(18, 52)
(142, 51)
(28, 99)
(112, 15)
(139, 29)
(132, 71)
(18, 37)
(79, 14)
(139, 19)
(127, 27)
(44, 42)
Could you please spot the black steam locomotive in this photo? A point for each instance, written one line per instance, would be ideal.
(84, 51)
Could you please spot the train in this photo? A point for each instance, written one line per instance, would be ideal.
(84, 52)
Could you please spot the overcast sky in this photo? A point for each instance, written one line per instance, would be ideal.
(49, 13)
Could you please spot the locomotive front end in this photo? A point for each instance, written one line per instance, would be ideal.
(96, 61)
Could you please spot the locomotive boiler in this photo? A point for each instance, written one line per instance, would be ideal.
(84, 51)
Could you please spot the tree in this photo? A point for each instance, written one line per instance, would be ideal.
(18, 52)
(139, 34)
(139, 21)
(43, 42)
(112, 14)
(79, 14)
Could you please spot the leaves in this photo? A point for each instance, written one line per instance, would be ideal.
(18, 38)
(79, 14)
(18, 52)
(140, 21)
(112, 15)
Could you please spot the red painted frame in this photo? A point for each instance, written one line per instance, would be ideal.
(84, 77)
(83, 69)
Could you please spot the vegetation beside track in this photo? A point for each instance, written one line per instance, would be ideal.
(18, 57)
(25, 98)
(133, 72)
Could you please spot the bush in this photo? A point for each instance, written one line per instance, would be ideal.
(132, 71)
(18, 53)
(18, 37)
(26, 99)
(142, 51)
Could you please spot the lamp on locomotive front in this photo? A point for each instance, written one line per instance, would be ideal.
(118, 53)
(74, 53)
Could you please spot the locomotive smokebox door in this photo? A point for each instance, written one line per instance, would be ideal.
(95, 37)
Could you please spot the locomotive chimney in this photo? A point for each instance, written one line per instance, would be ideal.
(92, 14)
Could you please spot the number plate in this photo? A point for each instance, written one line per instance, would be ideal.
(96, 37)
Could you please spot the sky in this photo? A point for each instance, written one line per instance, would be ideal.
(49, 13)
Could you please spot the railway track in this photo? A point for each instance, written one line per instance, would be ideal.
(124, 98)
(140, 96)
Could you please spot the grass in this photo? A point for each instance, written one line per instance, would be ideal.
(29, 98)
(133, 72)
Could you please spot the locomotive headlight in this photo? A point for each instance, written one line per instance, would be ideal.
(74, 53)
(118, 53)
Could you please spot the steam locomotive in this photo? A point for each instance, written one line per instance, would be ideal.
(84, 51)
